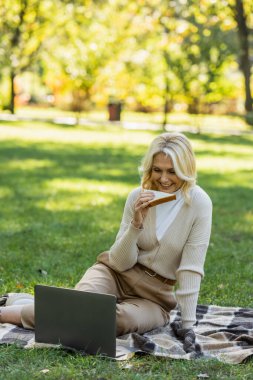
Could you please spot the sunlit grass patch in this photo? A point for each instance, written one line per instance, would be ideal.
(28, 164)
(73, 194)
(248, 216)
(44, 131)
(224, 164)
(5, 192)
(81, 186)
(221, 122)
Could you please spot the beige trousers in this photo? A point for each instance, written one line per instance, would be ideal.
(143, 301)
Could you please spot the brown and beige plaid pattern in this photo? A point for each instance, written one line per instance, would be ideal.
(224, 333)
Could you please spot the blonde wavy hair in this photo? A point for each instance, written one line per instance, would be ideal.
(178, 148)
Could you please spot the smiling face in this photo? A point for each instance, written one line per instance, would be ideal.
(163, 175)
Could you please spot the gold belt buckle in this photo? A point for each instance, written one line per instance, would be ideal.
(151, 275)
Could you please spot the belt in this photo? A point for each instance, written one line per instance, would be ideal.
(151, 273)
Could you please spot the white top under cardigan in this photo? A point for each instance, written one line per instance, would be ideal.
(179, 255)
(167, 212)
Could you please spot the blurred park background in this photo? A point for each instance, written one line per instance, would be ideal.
(77, 79)
(160, 58)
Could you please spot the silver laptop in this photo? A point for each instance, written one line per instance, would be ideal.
(81, 320)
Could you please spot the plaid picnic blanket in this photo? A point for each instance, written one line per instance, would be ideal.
(224, 333)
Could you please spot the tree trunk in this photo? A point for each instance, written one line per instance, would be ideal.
(12, 92)
(245, 65)
(166, 103)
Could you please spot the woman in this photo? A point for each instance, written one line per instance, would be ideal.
(155, 248)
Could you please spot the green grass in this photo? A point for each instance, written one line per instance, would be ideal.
(62, 192)
(218, 123)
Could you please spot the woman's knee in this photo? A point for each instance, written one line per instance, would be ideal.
(27, 316)
(126, 321)
(98, 279)
(139, 317)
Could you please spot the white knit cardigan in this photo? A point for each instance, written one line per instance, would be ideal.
(179, 255)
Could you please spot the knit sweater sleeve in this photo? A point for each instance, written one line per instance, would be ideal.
(124, 252)
(191, 268)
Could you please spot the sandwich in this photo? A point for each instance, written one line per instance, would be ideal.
(161, 198)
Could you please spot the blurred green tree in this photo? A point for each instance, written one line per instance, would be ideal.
(149, 53)
(200, 47)
(80, 52)
(24, 26)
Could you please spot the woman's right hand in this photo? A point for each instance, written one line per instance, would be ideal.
(141, 207)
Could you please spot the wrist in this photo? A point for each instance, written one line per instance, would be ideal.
(136, 224)
(187, 325)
